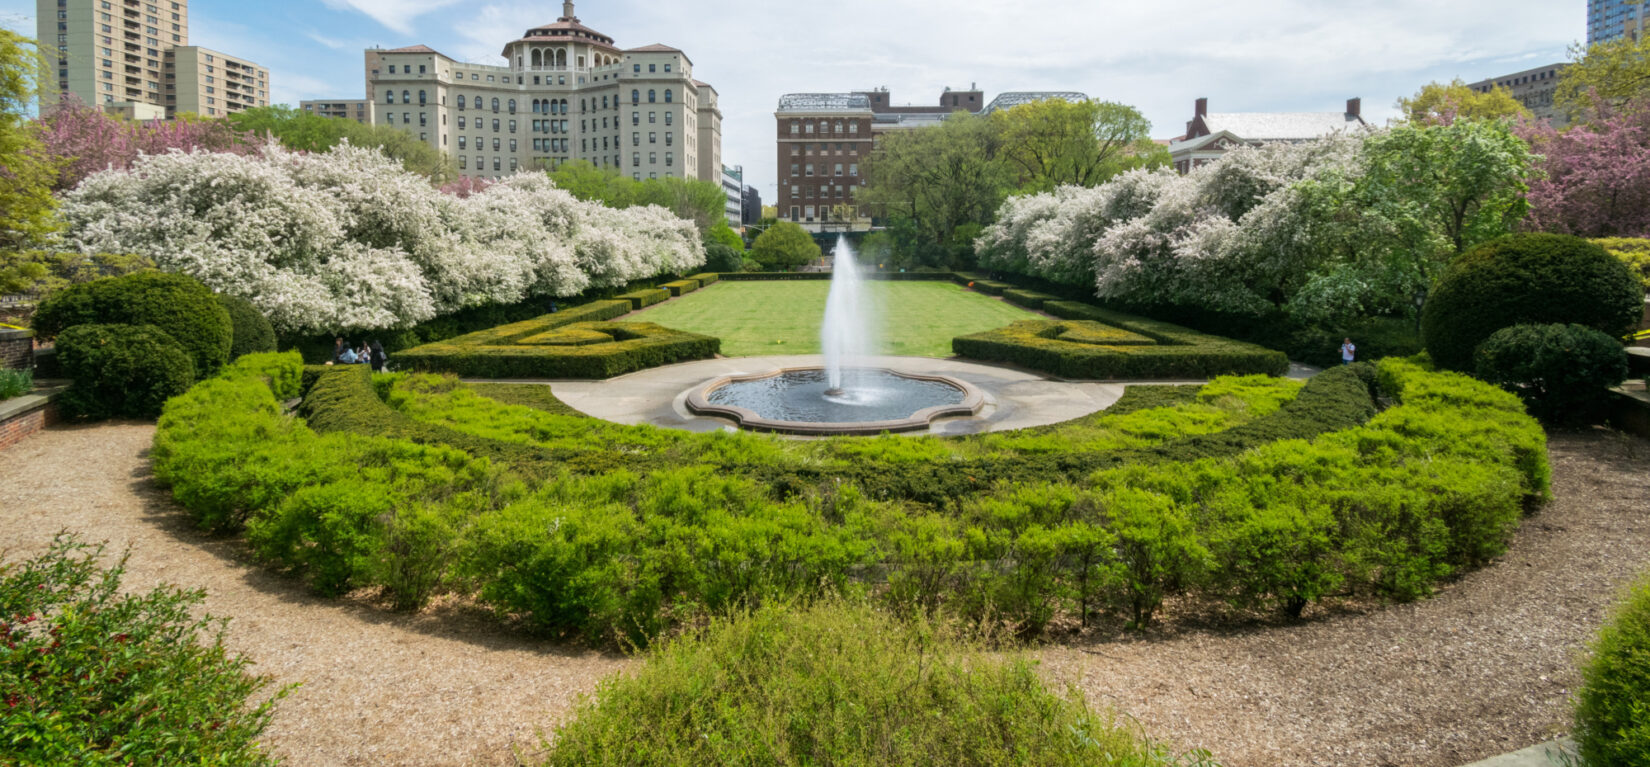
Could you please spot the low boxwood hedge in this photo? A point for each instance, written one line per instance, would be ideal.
(679, 288)
(562, 350)
(1078, 347)
(803, 276)
(704, 278)
(641, 299)
(1029, 299)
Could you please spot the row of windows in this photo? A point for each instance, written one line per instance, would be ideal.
(808, 192)
(799, 127)
(797, 149)
(652, 158)
(808, 170)
(652, 138)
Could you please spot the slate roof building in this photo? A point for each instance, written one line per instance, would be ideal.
(1209, 135)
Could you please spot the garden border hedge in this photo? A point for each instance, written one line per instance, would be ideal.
(1179, 352)
(680, 288)
(641, 299)
(1030, 299)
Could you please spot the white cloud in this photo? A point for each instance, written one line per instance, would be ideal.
(398, 15)
(329, 42)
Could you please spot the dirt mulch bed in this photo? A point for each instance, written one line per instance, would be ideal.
(1485, 667)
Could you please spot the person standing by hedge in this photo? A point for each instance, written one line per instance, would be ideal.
(338, 349)
(380, 360)
(1348, 351)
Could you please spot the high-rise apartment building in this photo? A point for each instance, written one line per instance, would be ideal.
(567, 92)
(133, 57)
(345, 109)
(1534, 88)
(1614, 19)
(824, 138)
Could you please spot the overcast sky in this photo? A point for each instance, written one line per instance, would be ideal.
(1245, 55)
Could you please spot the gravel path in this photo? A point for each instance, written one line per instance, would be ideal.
(1483, 668)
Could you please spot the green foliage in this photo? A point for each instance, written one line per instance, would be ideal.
(568, 344)
(1123, 347)
(724, 234)
(309, 132)
(281, 370)
(1527, 279)
(702, 202)
(91, 676)
(1562, 372)
(174, 303)
(1633, 251)
(1054, 142)
(845, 684)
(641, 299)
(1030, 299)
(37, 272)
(26, 202)
(121, 370)
(250, 330)
(1613, 705)
(705, 278)
(939, 185)
(784, 245)
(721, 258)
(15, 383)
(1439, 103)
(1608, 74)
(679, 288)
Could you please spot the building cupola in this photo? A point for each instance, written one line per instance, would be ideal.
(567, 12)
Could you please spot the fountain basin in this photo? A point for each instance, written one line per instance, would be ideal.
(795, 401)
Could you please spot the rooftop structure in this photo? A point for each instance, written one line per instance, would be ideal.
(1209, 135)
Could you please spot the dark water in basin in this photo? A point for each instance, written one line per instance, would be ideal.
(870, 395)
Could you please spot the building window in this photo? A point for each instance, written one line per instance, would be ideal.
(668, 95)
(423, 98)
(652, 96)
(392, 66)
(636, 138)
(512, 126)
(406, 97)
(460, 102)
(853, 169)
(853, 128)
(838, 169)
(652, 138)
(668, 138)
(635, 159)
(808, 170)
(669, 118)
(463, 160)
(389, 96)
(461, 122)
(809, 129)
(463, 143)
(512, 145)
(512, 106)
(635, 118)
(669, 156)
(653, 67)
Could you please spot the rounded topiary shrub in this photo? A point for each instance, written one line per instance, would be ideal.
(121, 370)
(175, 303)
(1613, 706)
(1562, 372)
(251, 331)
(1527, 279)
(838, 684)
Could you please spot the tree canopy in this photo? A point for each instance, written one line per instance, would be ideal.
(1055, 142)
(26, 202)
(783, 246)
(309, 132)
(1607, 74)
(1447, 102)
(702, 202)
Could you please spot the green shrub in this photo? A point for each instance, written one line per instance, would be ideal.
(641, 299)
(250, 330)
(842, 685)
(121, 370)
(1562, 372)
(15, 383)
(1613, 705)
(174, 303)
(680, 287)
(1632, 251)
(586, 350)
(1527, 279)
(722, 257)
(91, 676)
(1029, 299)
(705, 278)
(282, 370)
(1123, 347)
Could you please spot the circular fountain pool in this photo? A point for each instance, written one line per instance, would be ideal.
(801, 401)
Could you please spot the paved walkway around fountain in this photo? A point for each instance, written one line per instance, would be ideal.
(1016, 398)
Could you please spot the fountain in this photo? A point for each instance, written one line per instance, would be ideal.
(846, 395)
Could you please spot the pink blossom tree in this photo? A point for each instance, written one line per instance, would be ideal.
(86, 140)
(1595, 176)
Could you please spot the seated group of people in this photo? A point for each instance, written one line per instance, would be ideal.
(368, 354)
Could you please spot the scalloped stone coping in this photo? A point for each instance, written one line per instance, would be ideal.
(698, 402)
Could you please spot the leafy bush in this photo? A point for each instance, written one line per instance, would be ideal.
(121, 370)
(282, 370)
(784, 245)
(680, 287)
(178, 305)
(91, 676)
(1613, 705)
(721, 257)
(1632, 251)
(15, 383)
(846, 685)
(1562, 372)
(250, 330)
(1123, 347)
(1527, 279)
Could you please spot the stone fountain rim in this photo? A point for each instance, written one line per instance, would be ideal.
(698, 402)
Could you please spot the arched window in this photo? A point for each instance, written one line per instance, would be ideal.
(423, 98)
(495, 105)
(538, 58)
(389, 97)
(406, 97)
(667, 95)
(512, 106)
(652, 97)
(635, 97)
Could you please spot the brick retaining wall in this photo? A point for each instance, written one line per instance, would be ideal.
(25, 415)
(16, 349)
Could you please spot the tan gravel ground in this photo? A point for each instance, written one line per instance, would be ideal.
(1483, 668)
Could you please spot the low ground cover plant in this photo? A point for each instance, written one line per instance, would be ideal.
(845, 684)
(572, 526)
(1613, 705)
(91, 676)
(15, 383)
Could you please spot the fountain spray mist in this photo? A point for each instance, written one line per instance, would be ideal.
(845, 337)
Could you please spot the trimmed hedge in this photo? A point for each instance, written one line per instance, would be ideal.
(1562, 372)
(1528, 279)
(641, 299)
(121, 371)
(1613, 704)
(584, 350)
(1029, 299)
(1069, 348)
(680, 287)
(784, 276)
(174, 303)
(704, 278)
(252, 333)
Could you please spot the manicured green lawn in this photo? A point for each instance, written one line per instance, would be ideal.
(753, 319)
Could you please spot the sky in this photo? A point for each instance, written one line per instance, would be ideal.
(1244, 55)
